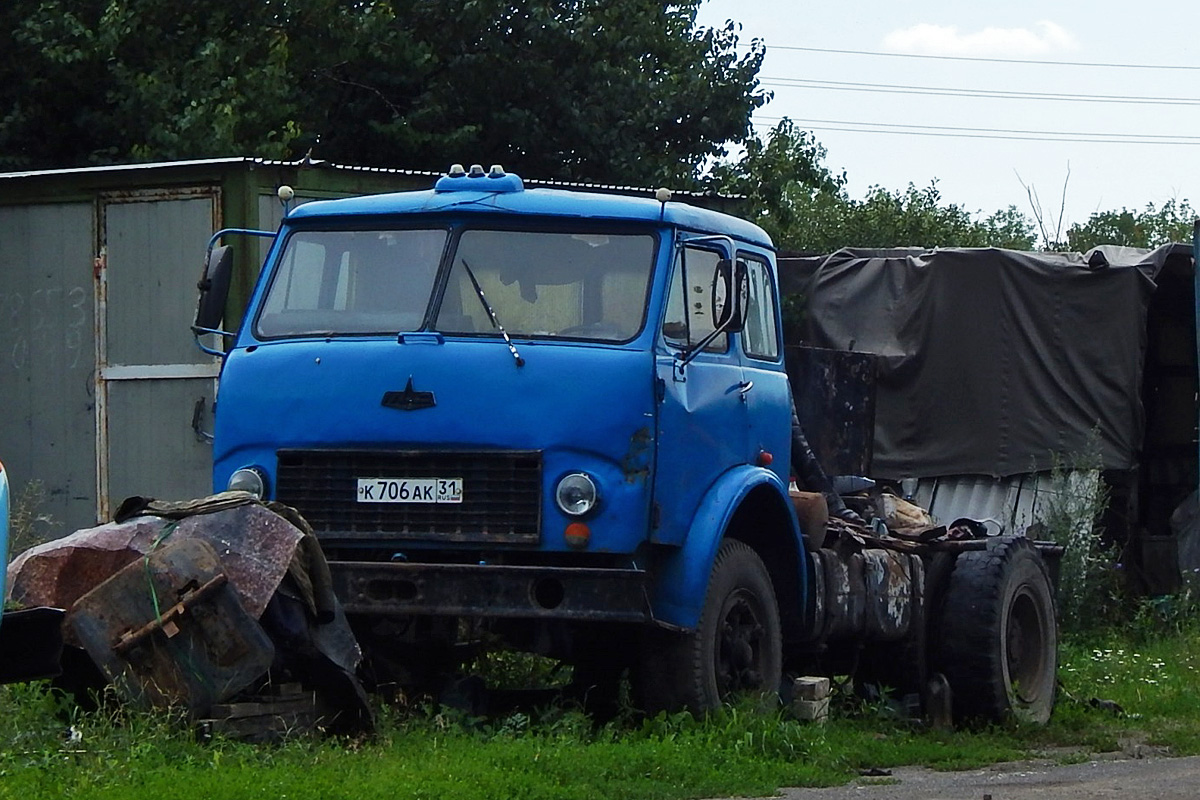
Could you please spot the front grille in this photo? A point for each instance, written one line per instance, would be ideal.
(501, 496)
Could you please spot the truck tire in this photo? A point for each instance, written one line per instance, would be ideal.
(997, 638)
(736, 648)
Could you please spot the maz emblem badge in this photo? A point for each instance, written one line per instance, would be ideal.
(410, 399)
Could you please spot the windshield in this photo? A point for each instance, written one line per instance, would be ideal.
(348, 282)
(533, 283)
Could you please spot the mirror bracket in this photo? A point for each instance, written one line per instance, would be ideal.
(738, 289)
(216, 279)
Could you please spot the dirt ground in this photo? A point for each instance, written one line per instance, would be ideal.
(1147, 778)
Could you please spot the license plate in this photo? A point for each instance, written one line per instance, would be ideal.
(410, 490)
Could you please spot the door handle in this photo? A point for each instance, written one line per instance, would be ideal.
(197, 426)
(744, 387)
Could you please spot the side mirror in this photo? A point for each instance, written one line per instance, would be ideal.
(214, 288)
(730, 295)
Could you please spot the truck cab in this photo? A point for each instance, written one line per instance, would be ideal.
(530, 405)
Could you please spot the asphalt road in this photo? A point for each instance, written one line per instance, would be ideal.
(1124, 778)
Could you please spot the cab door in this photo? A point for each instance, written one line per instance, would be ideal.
(766, 389)
(702, 424)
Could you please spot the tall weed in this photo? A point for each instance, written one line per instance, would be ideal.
(1089, 591)
(28, 522)
(1176, 615)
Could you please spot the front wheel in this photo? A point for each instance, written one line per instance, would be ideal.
(998, 639)
(735, 649)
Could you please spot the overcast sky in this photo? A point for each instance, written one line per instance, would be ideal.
(1149, 151)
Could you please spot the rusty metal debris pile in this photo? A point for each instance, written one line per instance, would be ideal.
(222, 606)
(903, 526)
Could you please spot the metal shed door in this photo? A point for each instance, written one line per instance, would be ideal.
(155, 388)
(46, 349)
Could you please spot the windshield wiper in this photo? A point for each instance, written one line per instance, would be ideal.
(492, 313)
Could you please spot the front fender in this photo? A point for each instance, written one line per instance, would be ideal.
(681, 579)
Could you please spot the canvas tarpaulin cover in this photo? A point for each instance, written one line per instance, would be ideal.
(993, 362)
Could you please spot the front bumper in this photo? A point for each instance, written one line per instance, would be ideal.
(489, 590)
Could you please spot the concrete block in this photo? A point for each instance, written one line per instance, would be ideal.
(811, 688)
(811, 710)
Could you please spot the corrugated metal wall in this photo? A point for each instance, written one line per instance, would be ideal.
(47, 356)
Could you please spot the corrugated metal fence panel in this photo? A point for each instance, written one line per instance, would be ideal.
(47, 350)
(1011, 504)
(977, 497)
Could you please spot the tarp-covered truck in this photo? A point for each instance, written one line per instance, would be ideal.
(997, 369)
(565, 418)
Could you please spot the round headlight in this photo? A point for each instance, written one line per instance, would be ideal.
(576, 494)
(248, 479)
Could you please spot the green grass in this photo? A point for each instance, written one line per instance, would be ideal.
(48, 749)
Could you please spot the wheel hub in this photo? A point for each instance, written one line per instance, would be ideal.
(739, 650)
(1024, 645)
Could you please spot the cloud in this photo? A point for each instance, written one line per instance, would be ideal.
(1044, 38)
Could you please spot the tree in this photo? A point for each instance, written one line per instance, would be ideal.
(910, 217)
(777, 176)
(805, 206)
(1011, 229)
(1157, 225)
(100, 81)
(623, 91)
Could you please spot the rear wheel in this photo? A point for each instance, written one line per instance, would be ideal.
(735, 649)
(997, 642)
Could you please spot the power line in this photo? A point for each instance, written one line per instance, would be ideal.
(981, 59)
(848, 129)
(947, 131)
(941, 91)
(1174, 137)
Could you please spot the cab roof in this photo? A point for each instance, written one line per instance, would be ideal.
(510, 198)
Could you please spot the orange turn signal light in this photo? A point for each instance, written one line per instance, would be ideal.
(577, 535)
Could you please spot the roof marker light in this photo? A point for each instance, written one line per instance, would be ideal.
(462, 180)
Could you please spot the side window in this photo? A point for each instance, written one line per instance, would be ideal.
(760, 337)
(689, 303)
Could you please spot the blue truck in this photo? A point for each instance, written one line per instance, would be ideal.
(564, 418)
